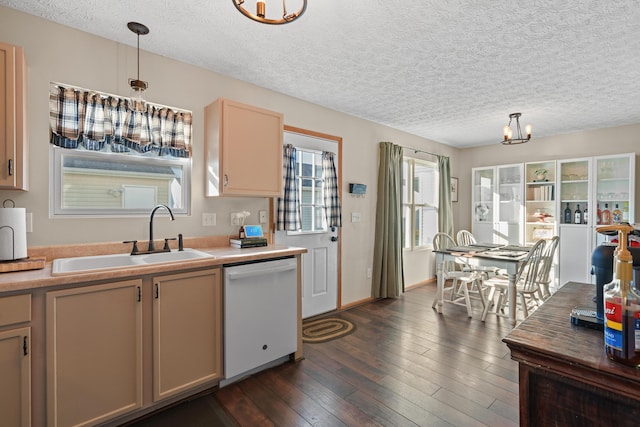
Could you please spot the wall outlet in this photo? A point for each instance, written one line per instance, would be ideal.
(355, 217)
(236, 218)
(369, 273)
(208, 219)
(263, 217)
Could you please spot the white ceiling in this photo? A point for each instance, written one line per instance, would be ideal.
(447, 70)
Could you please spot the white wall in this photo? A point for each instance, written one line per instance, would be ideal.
(616, 140)
(61, 54)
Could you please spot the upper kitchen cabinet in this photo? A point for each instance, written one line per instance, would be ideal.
(540, 209)
(498, 204)
(13, 118)
(243, 150)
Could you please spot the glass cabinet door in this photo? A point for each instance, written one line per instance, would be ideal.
(574, 191)
(483, 191)
(508, 229)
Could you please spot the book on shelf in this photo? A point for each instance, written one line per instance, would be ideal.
(248, 242)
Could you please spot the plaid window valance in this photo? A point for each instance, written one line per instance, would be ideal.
(95, 121)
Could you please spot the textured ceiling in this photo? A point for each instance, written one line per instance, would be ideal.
(449, 71)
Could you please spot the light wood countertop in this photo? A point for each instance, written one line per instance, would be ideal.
(36, 279)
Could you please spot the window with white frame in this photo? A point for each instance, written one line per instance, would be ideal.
(114, 156)
(311, 189)
(420, 203)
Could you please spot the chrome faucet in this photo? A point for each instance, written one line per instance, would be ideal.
(153, 212)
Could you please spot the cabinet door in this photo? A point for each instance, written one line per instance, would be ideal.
(13, 141)
(509, 206)
(540, 209)
(244, 150)
(484, 183)
(15, 371)
(187, 331)
(94, 353)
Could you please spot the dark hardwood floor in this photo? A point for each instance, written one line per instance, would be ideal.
(405, 365)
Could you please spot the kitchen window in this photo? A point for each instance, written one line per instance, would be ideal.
(420, 203)
(115, 156)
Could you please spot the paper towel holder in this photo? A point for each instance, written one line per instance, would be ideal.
(13, 239)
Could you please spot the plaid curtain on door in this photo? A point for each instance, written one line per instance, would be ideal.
(93, 120)
(289, 204)
(331, 194)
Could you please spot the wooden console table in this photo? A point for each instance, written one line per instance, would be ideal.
(565, 377)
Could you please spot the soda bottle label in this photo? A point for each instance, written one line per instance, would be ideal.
(613, 325)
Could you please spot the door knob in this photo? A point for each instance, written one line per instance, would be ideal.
(334, 238)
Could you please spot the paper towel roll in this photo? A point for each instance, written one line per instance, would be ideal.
(13, 245)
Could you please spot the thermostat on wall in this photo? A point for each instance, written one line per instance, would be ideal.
(357, 188)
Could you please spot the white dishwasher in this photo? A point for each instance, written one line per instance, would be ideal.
(260, 313)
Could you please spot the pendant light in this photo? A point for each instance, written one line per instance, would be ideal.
(138, 86)
(261, 8)
(508, 133)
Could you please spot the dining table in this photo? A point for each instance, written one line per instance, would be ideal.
(503, 257)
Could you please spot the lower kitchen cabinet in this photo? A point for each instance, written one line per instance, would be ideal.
(187, 331)
(15, 374)
(94, 353)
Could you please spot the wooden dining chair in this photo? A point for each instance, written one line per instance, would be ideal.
(462, 282)
(527, 285)
(548, 256)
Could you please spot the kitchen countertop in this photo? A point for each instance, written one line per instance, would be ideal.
(36, 279)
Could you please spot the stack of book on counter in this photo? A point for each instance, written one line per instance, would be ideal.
(248, 242)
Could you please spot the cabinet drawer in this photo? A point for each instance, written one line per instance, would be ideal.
(15, 309)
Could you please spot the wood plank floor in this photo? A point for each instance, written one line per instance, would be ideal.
(405, 365)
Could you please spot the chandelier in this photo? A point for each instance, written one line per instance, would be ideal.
(261, 8)
(138, 85)
(508, 133)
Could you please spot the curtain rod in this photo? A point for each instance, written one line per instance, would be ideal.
(415, 150)
(182, 110)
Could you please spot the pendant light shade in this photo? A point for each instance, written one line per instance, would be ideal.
(136, 84)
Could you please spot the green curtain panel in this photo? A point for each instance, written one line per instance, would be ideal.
(445, 210)
(388, 276)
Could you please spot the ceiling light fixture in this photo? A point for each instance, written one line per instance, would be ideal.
(261, 8)
(508, 133)
(138, 85)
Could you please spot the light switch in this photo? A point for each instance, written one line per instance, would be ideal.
(263, 217)
(355, 216)
(208, 219)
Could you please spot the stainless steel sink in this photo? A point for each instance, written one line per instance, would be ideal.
(86, 264)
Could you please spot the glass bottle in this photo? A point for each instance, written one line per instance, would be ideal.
(606, 214)
(567, 215)
(577, 215)
(625, 212)
(241, 233)
(598, 215)
(585, 215)
(622, 306)
(617, 215)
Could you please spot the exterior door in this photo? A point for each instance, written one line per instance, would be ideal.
(321, 263)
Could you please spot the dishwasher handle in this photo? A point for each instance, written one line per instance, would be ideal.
(233, 275)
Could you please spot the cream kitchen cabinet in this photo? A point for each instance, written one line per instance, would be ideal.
(243, 150)
(13, 119)
(15, 361)
(94, 353)
(187, 331)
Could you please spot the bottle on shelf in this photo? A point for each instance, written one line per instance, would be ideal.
(625, 212)
(617, 215)
(577, 215)
(606, 215)
(598, 215)
(585, 214)
(241, 233)
(622, 305)
(567, 214)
